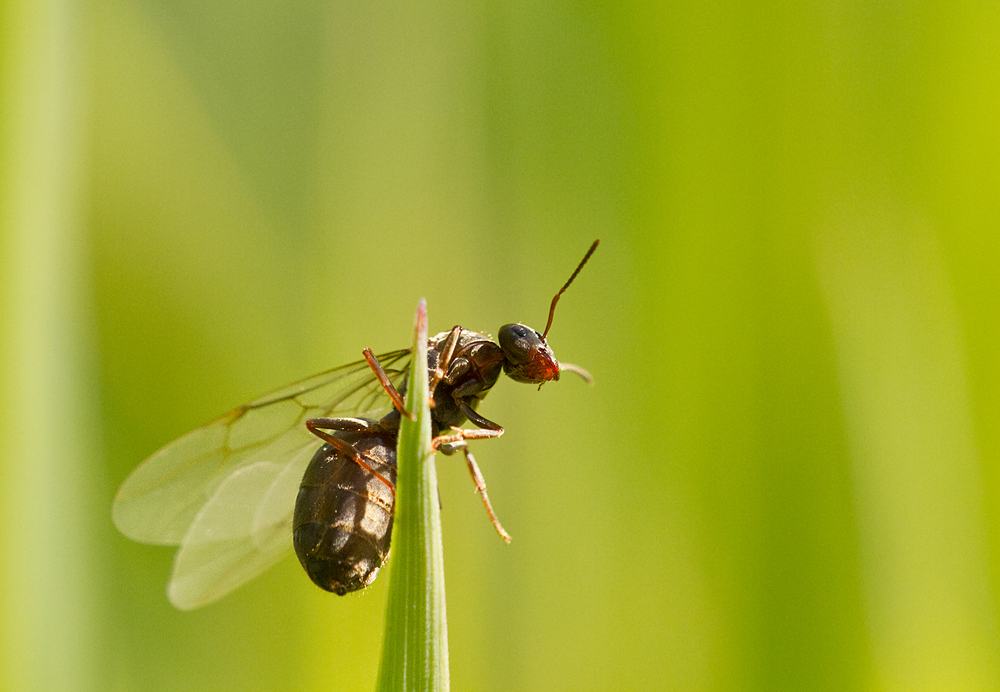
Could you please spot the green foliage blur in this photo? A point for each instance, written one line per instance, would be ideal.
(786, 475)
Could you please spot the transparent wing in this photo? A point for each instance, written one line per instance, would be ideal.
(225, 492)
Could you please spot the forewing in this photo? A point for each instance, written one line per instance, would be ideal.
(167, 496)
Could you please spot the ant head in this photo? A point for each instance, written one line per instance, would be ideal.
(527, 356)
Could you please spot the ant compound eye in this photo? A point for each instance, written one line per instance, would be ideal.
(517, 342)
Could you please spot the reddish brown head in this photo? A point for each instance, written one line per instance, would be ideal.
(528, 358)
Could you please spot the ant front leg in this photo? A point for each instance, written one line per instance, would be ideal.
(456, 441)
(319, 427)
(444, 362)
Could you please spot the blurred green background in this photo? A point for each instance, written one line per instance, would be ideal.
(786, 476)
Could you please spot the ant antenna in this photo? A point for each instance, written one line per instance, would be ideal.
(555, 299)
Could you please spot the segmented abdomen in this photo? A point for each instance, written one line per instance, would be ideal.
(343, 515)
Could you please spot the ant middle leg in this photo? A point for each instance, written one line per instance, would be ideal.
(449, 444)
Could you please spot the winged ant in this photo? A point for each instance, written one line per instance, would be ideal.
(225, 492)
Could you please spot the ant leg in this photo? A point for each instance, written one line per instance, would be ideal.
(449, 444)
(474, 417)
(397, 399)
(319, 426)
(450, 343)
(455, 439)
(477, 478)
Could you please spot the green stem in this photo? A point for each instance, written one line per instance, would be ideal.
(415, 648)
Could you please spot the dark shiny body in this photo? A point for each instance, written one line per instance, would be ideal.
(342, 524)
(343, 514)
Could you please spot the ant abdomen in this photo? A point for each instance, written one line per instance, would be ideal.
(342, 524)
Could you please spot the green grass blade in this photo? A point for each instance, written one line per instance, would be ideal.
(53, 561)
(415, 648)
